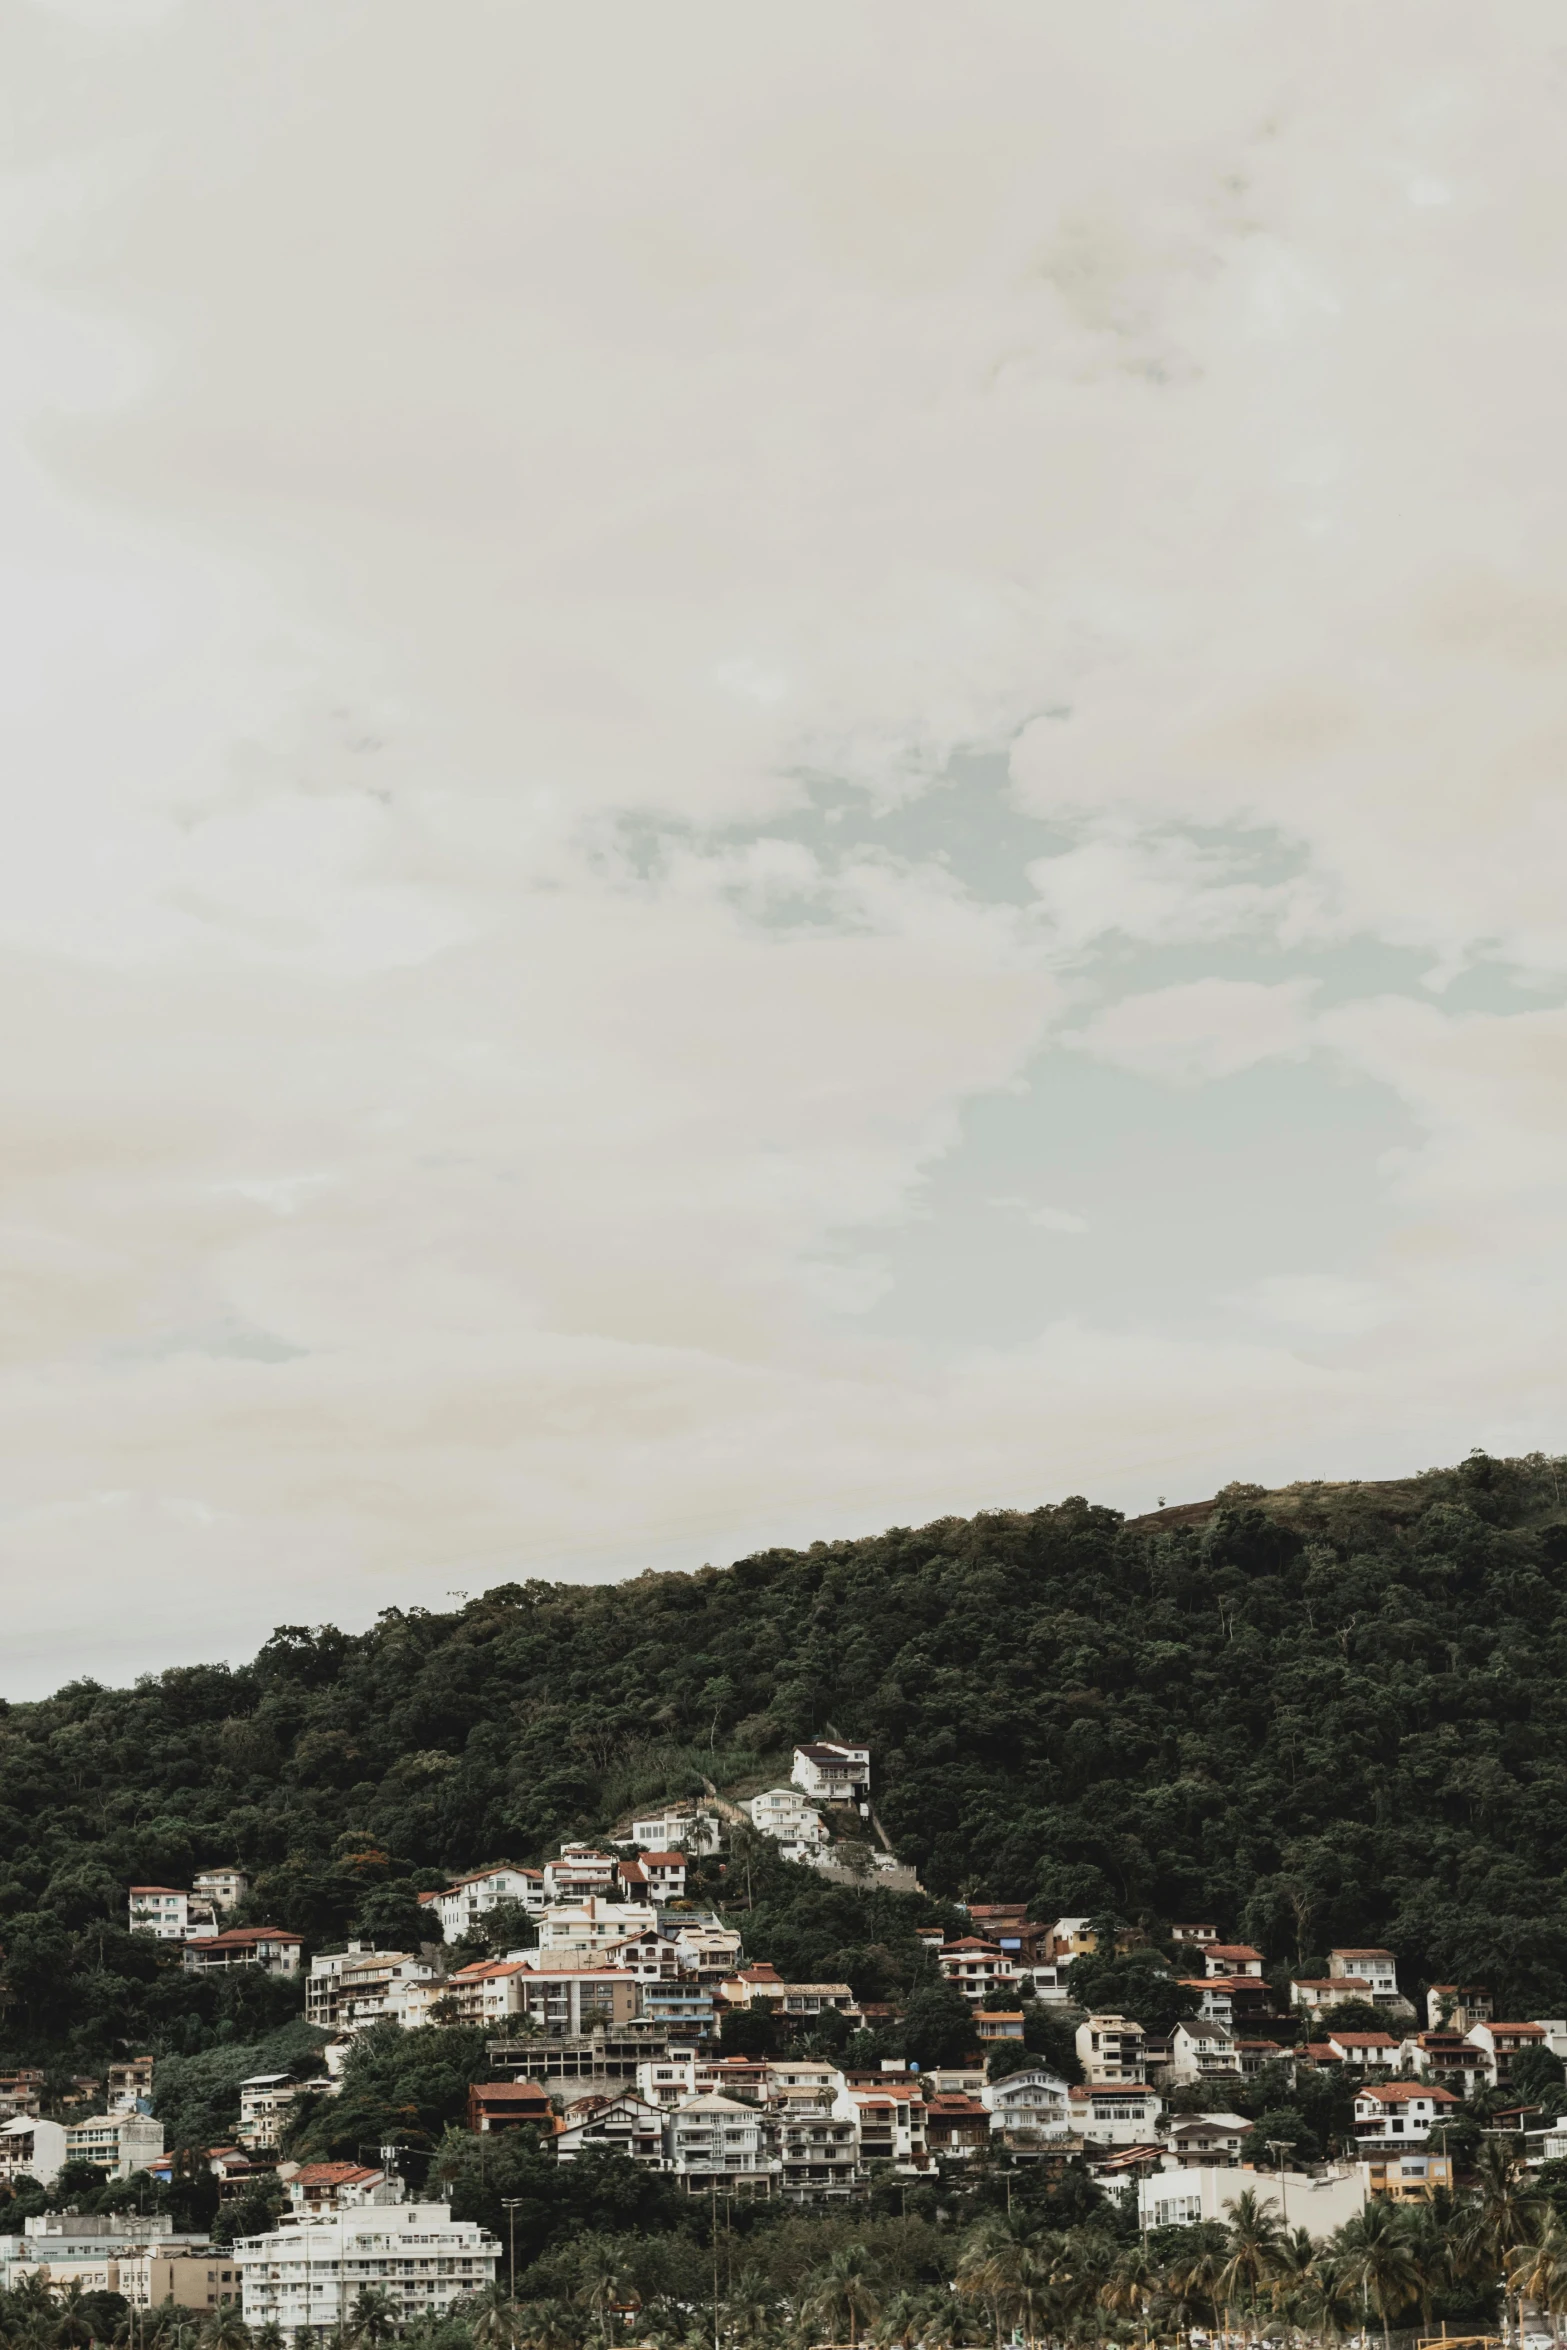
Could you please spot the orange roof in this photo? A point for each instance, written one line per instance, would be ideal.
(1231, 1950)
(1363, 2040)
(332, 2174)
(1398, 2092)
(158, 1889)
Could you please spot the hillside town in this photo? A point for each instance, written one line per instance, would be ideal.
(613, 2028)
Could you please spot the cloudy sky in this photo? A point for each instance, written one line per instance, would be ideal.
(766, 770)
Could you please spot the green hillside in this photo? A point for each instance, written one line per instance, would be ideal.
(1336, 1713)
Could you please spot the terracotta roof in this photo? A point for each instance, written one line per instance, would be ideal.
(1363, 2040)
(236, 1935)
(332, 2174)
(158, 1889)
(1231, 1950)
(499, 2092)
(970, 1942)
(1399, 2092)
(1369, 1952)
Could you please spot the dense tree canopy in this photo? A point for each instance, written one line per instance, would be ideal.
(1330, 1714)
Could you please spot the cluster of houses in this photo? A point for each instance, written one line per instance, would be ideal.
(607, 2020)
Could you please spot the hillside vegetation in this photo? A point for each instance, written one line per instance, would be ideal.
(1328, 1714)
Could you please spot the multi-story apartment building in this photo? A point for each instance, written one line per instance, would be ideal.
(348, 1989)
(679, 1827)
(159, 1909)
(714, 2141)
(310, 2272)
(468, 1899)
(117, 2143)
(833, 1772)
(224, 1888)
(1110, 2048)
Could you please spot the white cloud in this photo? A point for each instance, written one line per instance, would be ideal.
(461, 474)
(1208, 1028)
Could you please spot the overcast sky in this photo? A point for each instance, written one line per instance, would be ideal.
(767, 770)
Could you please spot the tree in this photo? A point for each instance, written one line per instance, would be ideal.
(845, 2292)
(374, 2315)
(1375, 2266)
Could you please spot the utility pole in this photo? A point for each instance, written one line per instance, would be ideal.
(1281, 2147)
(509, 2205)
(713, 2191)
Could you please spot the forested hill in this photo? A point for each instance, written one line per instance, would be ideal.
(1329, 1714)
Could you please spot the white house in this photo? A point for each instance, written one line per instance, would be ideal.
(1232, 1958)
(1376, 1969)
(467, 1899)
(580, 1870)
(1034, 2101)
(892, 2124)
(784, 1814)
(1315, 1994)
(1391, 2112)
(1108, 2115)
(585, 1927)
(1201, 2050)
(31, 2149)
(655, 1876)
(347, 1989)
(159, 1909)
(1453, 2007)
(1501, 2044)
(679, 1827)
(311, 2272)
(833, 1772)
(617, 2122)
(974, 1967)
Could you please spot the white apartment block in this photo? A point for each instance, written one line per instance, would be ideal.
(31, 2149)
(348, 1989)
(715, 2141)
(784, 1814)
(585, 1928)
(1034, 2101)
(1110, 2048)
(311, 2272)
(580, 1870)
(117, 2143)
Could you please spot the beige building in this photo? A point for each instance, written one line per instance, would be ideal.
(200, 2281)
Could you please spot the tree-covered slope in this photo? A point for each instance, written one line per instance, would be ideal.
(1329, 1714)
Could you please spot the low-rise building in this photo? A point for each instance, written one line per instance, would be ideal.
(1205, 2141)
(1502, 2044)
(1232, 1958)
(1447, 2057)
(1316, 1994)
(612, 2122)
(1453, 2007)
(654, 1876)
(1320, 2202)
(1106, 2115)
(159, 1909)
(346, 1990)
(1033, 2103)
(679, 1827)
(116, 2143)
(1376, 1969)
(204, 2280)
(957, 2126)
(833, 1771)
(892, 2125)
(31, 2148)
(580, 1871)
(1111, 2049)
(715, 2141)
(1388, 2113)
(1202, 2050)
(1393, 2177)
(998, 2023)
(976, 1967)
(310, 2273)
(584, 1930)
(224, 1888)
(467, 1900)
(1365, 2052)
(784, 1814)
(511, 2105)
(266, 1947)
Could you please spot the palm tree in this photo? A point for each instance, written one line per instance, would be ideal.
(1254, 2245)
(225, 2329)
(600, 2279)
(1374, 2262)
(374, 2314)
(1538, 2271)
(548, 2325)
(845, 2289)
(1133, 2286)
(1504, 2216)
